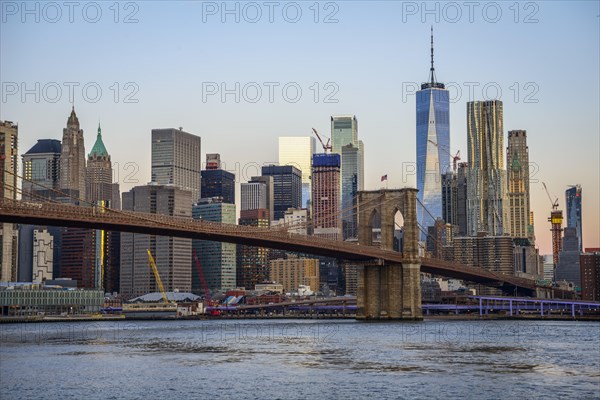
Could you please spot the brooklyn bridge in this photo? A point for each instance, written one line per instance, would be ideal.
(388, 281)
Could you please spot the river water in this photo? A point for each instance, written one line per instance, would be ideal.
(300, 359)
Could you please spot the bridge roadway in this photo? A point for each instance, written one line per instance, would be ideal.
(21, 212)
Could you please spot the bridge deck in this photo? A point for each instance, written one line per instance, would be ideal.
(15, 211)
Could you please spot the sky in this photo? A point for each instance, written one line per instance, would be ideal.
(241, 74)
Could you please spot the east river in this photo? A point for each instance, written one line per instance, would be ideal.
(300, 359)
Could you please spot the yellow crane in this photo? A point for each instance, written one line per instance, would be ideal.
(157, 277)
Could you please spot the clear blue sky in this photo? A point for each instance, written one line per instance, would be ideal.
(372, 52)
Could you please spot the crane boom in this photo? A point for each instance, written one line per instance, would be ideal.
(326, 146)
(555, 202)
(157, 277)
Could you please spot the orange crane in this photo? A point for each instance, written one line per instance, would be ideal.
(455, 158)
(157, 277)
(326, 146)
(556, 220)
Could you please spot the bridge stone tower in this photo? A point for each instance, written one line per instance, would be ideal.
(389, 291)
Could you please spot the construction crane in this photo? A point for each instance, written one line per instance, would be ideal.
(556, 220)
(326, 146)
(157, 277)
(455, 158)
(555, 202)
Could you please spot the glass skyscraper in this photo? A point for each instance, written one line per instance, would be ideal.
(287, 188)
(344, 138)
(433, 146)
(298, 151)
(573, 195)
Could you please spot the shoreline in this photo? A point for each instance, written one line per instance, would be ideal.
(20, 320)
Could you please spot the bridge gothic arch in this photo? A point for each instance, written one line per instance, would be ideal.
(389, 290)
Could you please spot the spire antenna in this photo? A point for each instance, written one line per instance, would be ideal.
(432, 70)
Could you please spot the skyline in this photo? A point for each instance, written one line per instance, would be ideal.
(373, 94)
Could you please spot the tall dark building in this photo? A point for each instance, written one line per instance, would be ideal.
(573, 196)
(252, 262)
(449, 197)
(590, 275)
(287, 188)
(218, 183)
(568, 268)
(461, 199)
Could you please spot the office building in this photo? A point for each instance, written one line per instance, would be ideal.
(41, 170)
(252, 262)
(345, 142)
(327, 221)
(517, 161)
(173, 256)
(573, 197)
(41, 173)
(590, 274)
(350, 177)
(449, 198)
(568, 268)
(433, 146)
(293, 272)
(298, 151)
(42, 256)
(487, 205)
(294, 221)
(494, 253)
(9, 237)
(99, 173)
(217, 259)
(270, 199)
(72, 160)
(287, 188)
(253, 196)
(548, 263)
(176, 159)
(217, 182)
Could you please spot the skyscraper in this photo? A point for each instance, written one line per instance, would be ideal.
(217, 259)
(41, 173)
(351, 159)
(517, 161)
(100, 189)
(270, 196)
(72, 160)
(568, 267)
(99, 174)
(327, 220)
(41, 170)
(433, 146)
(573, 197)
(298, 151)
(8, 189)
(487, 201)
(252, 262)
(217, 182)
(253, 196)
(287, 188)
(173, 256)
(176, 159)
(344, 133)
